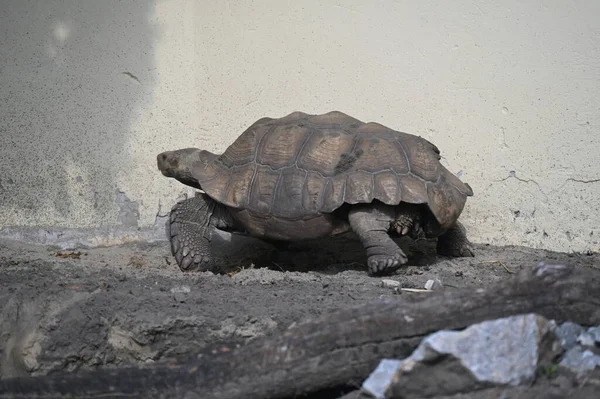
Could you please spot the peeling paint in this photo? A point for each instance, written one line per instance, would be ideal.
(129, 211)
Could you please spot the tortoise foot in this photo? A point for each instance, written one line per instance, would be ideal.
(190, 234)
(454, 243)
(462, 251)
(384, 264)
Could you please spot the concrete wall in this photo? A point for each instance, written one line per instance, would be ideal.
(91, 91)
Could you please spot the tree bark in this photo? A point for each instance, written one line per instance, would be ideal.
(339, 348)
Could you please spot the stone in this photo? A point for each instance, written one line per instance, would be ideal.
(585, 339)
(386, 283)
(433, 285)
(568, 333)
(180, 289)
(380, 378)
(180, 293)
(590, 338)
(580, 361)
(502, 352)
(595, 333)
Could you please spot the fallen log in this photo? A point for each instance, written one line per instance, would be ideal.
(336, 349)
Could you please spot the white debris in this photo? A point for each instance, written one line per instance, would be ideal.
(180, 289)
(385, 283)
(433, 285)
(381, 378)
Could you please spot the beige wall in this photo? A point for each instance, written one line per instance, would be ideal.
(91, 91)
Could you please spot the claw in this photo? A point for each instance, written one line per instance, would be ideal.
(178, 257)
(175, 246)
(173, 214)
(186, 263)
(173, 229)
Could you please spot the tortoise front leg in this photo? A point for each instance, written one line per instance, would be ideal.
(191, 227)
(454, 242)
(371, 223)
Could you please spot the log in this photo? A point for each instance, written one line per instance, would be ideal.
(337, 349)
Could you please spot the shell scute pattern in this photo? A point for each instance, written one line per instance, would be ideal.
(300, 165)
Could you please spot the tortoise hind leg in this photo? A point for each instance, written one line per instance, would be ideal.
(371, 223)
(190, 229)
(454, 242)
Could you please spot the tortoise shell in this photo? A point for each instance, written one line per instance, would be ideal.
(301, 165)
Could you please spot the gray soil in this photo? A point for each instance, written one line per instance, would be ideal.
(107, 307)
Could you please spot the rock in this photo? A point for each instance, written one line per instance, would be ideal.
(502, 352)
(379, 379)
(590, 338)
(595, 332)
(180, 293)
(580, 361)
(568, 333)
(385, 283)
(433, 285)
(585, 339)
(180, 289)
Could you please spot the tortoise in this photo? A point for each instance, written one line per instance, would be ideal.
(305, 176)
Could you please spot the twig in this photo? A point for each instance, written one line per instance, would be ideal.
(498, 262)
(280, 268)
(415, 290)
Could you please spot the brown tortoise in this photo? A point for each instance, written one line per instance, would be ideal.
(309, 176)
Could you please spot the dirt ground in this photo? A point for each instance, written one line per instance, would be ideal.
(105, 307)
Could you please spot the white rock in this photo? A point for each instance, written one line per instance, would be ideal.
(180, 289)
(381, 378)
(433, 285)
(385, 283)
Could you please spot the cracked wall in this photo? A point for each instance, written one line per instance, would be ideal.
(91, 91)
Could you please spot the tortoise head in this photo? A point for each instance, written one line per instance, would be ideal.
(179, 164)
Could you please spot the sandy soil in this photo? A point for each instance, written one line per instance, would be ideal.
(105, 307)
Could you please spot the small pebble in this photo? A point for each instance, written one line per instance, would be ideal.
(586, 339)
(595, 333)
(183, 289)
(385, 283)
(568, 334)
(180, 293)
(433, 285)
(580, 360)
